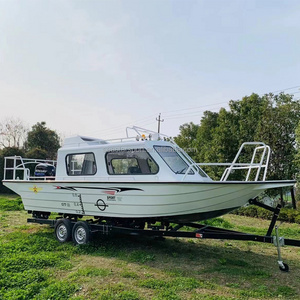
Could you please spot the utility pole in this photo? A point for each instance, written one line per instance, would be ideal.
(159, 120)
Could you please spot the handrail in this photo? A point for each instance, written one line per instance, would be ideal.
(263, 146)
(151, 134)
(265, 157)
(21, 166)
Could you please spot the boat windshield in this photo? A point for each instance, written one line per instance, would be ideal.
(173, 159)
(190, 160)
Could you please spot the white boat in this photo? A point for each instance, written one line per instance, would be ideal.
(143, 179)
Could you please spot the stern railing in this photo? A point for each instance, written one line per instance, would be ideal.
(16, 168)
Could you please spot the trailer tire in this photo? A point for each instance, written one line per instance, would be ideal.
(284, 268)
(63, 230)
(81, 233)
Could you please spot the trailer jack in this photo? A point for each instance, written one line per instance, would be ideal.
(279, 242)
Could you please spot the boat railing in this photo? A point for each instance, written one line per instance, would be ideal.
(17, 168)
(140, 134)
(260, 167)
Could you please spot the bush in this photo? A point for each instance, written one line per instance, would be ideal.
(286, 214)
(248, 211)
(9, 151)
(297, 219)
(264, 214)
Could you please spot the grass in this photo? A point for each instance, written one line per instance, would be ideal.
(33, 265)
(14, 203)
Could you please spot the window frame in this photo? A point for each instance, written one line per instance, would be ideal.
(81, 153)
(128, 174)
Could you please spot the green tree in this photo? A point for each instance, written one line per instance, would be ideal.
(41, 139)
(297, 161)
(37, 153)
(187, 138)
(271, 119)
(277, 129)
(246, 114)
(297, 158)
(225, 138)
(204, 138)
(224, 142)
(221, 134)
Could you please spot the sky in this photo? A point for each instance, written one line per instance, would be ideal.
(94, 67)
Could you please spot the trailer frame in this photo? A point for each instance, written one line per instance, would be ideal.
(70, 228)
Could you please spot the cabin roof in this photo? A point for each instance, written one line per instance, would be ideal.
(81, 141)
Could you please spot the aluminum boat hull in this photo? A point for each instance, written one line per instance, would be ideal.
(172, 201)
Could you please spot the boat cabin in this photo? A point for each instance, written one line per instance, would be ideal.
(82, 158)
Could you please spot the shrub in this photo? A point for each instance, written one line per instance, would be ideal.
(286, 214)
(297, 219)
(264, 214)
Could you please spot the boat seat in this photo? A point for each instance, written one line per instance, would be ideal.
(134, 170)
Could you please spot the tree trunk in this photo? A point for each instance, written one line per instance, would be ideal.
(281, 197)
(293, 198)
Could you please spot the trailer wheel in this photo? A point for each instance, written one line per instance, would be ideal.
(63, 230)
(81, 233)
(284, 268)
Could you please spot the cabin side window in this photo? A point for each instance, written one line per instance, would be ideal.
(81, 164)
(130, 162)
(173, 159)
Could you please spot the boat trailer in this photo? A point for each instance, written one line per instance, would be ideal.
(69, 228)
